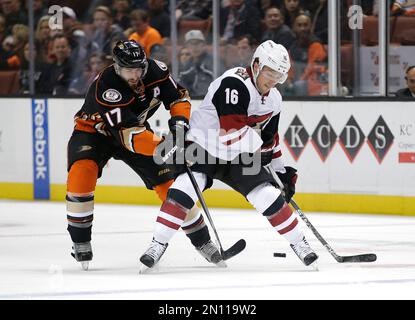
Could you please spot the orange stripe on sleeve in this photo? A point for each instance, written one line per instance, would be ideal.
(181, 109)
(145, 143)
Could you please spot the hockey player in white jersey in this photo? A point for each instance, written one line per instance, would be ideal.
(238, 117)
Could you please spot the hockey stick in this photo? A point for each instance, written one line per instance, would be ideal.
(369, 257)
(238, 246)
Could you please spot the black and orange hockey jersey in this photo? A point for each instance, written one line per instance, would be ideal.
(116, 110)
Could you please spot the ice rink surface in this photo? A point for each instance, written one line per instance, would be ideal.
(35, 261)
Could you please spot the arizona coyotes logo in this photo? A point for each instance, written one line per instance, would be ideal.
(242, 73)
(258, 122)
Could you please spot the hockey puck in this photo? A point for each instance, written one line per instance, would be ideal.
(280, 255)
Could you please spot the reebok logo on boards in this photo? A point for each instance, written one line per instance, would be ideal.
(40, 149)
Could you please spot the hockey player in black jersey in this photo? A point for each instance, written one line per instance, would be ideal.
(238, 116)
(112, 123)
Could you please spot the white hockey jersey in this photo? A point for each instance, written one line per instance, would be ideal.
(234, 118)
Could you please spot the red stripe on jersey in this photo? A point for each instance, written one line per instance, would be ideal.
(173, 210)
(168, 223)
(232, 141)
(289, 228)
(277, 154)
(277, 139)
(281, 216)
(232, 121)
(254, 119)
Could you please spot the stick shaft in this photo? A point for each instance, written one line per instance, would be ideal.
(204, 206)
(304, 218)
(356, 258)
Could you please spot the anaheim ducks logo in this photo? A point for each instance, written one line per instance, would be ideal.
(161, 65)
(112, 95)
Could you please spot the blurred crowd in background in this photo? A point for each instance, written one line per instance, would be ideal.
(67, 59)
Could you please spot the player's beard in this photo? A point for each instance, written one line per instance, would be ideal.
(132, 83)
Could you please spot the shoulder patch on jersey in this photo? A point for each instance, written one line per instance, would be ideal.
(161, 65)
(112, 95)
(242, 73)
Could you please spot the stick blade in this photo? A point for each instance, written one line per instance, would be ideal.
(370, 257)
(234, 250)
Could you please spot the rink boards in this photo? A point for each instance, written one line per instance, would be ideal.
(351, 156)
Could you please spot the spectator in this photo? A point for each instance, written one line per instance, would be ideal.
(159, 18)
(276, 30)
(312, 5)
(308, 56)
(42, 40)
(197, 73)
(408, 92)
(320, 22)
(14, 47)
(71, 26)
(371, 7)
(239, 18)
(146, 35)
(121, 16)
(14, 13)
(105, 31)
(159, 52)
(184, 57)
(56, 77)
(264, 5)
(81, 48)
(291, 9)
(96, 63)
(39, 9)
(193, 9)
(82, 9)
(246, 46)
(2, 28)
(24, 71)
(139, 4)
(404, 7)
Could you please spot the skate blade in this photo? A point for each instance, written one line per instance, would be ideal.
(85, 265)
(144, 269)
(313, 266)
(222, 264)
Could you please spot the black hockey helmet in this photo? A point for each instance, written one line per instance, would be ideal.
(129, 54)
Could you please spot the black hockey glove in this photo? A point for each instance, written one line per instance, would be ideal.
(171, 154)
(178, 126)
(172, 149)
(267, 148)
(288, 179)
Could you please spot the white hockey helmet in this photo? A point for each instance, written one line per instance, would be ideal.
(274, 56)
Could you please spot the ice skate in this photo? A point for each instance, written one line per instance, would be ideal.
(303, 250)
(82, 252)
(211, 253)
(153, 255)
